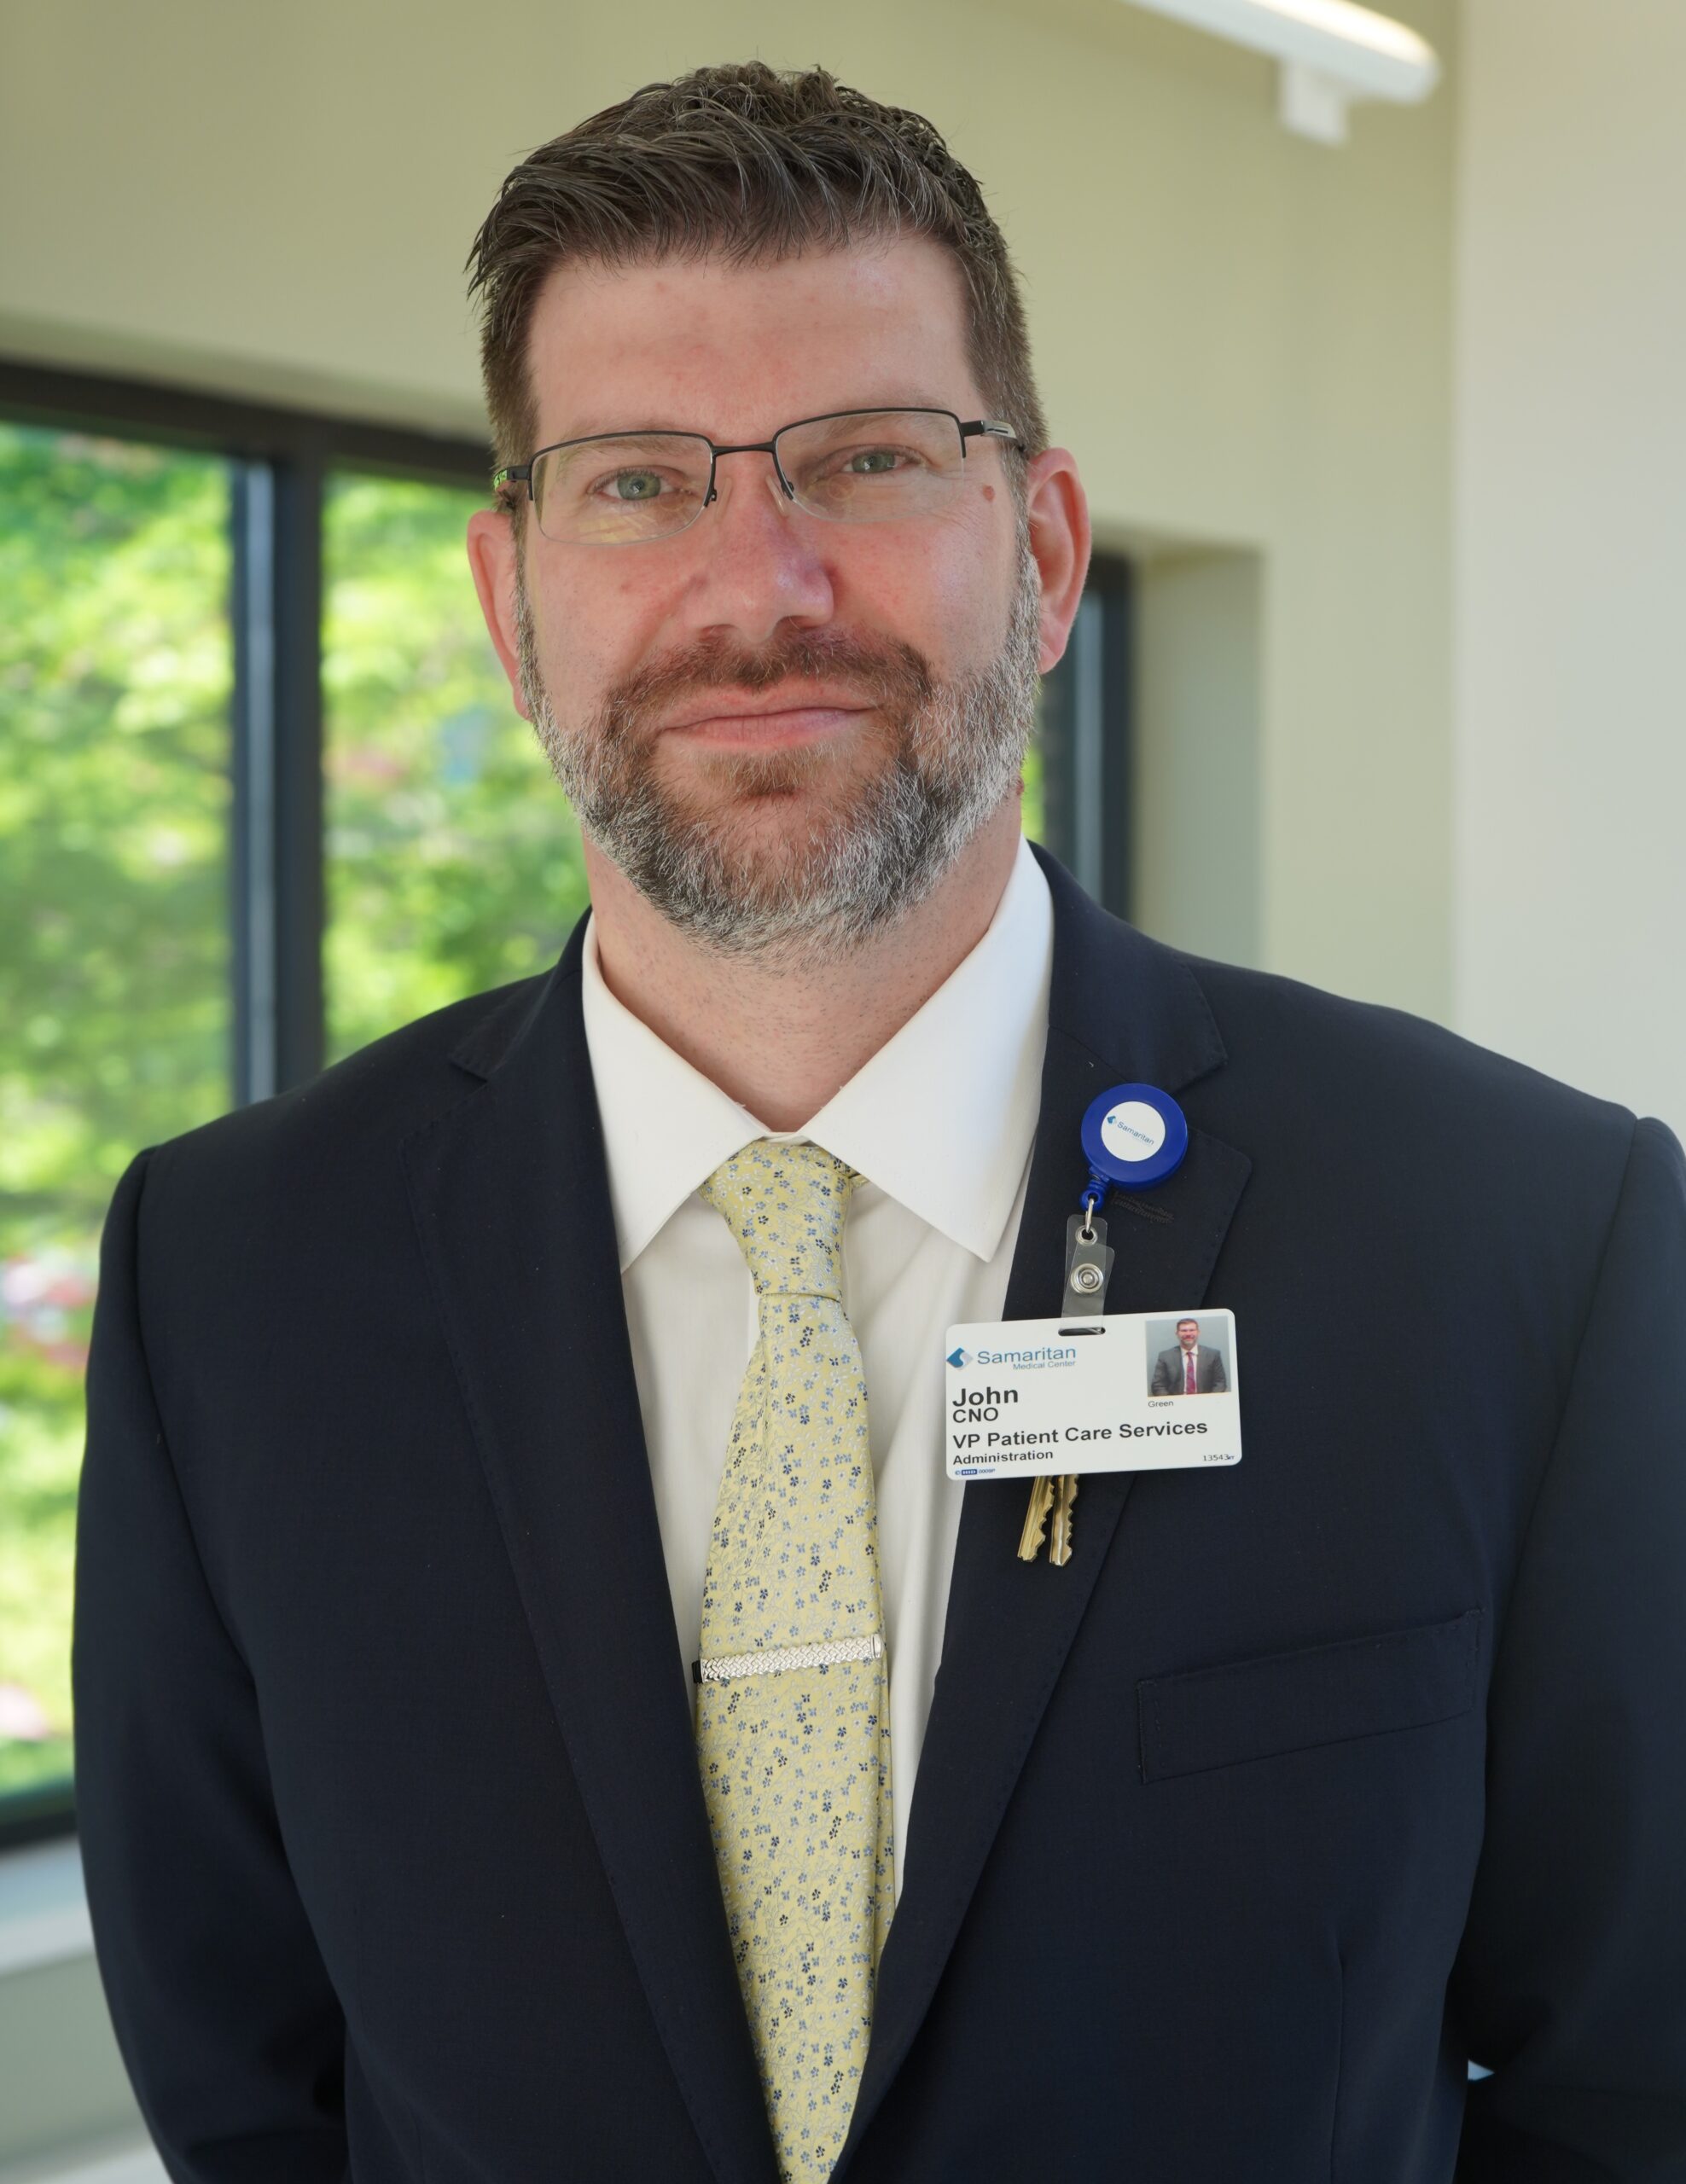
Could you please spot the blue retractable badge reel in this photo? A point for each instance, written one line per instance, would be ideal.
(1133, 1137)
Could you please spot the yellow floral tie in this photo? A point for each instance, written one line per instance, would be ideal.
(793, 1705)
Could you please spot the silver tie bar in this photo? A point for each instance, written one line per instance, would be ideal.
(717, 1667)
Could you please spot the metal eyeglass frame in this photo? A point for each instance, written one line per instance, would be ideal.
(521, 472)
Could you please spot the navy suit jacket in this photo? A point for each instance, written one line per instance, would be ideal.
(1303, 1784)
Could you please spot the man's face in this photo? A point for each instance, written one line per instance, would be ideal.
(1188, 1333)
(890, 668)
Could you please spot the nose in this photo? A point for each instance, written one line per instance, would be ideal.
(758, 556)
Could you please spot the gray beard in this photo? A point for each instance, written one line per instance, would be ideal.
(957, 748)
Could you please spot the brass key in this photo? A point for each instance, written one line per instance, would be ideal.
(1087, 1264)
(1036, 1520)
(1060, 1543)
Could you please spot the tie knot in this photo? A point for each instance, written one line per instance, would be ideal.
(785, 1206)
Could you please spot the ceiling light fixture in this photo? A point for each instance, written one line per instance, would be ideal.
(1332, 52)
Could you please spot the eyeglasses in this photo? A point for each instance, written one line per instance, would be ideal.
(852, 466)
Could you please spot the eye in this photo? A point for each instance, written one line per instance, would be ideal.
(873, 462)
(629, 485)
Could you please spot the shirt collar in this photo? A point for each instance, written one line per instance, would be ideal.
(941, 1116)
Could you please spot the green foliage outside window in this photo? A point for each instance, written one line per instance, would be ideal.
(1030, 810)
(115, 668)
(453, 860)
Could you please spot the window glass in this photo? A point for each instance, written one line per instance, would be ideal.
(452, 859)
(116, 665)
(1030, 817)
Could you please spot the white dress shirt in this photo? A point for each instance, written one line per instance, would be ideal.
(940, 1123)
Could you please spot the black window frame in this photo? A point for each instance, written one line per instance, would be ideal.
(1088, 738)
(279, 462)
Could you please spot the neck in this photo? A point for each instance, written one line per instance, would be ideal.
(716, 1010)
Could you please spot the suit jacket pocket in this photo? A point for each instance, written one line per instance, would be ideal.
(1320, 1694)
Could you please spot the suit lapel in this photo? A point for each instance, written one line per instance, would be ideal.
(1121, 1009)
(510, 1194)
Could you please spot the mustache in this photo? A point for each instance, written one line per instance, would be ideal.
(895, 675)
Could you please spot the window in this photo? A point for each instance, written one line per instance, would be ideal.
(117, 665)
(164, 662)
(1086, 745)
(264, 798)
(452, 859)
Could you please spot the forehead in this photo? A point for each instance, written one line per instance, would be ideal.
(735, 351)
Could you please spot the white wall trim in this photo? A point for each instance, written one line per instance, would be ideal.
(43, 1907)
(134, 2162)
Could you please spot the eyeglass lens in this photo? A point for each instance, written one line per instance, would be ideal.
(870, 466)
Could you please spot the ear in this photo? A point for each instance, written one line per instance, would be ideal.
(491, 557)
(1058, 510)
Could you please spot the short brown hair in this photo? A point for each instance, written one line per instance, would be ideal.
(752, 165)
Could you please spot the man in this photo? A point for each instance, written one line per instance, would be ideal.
(543, 1709)
(1186, 1369)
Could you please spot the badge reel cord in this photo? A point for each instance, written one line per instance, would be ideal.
(1133, 1137)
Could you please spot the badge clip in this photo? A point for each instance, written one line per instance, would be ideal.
(1132, 1136)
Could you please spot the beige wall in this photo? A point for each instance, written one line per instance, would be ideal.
(1570, 900)
(1244, 336)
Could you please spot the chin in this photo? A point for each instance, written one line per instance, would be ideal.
(774, 837)
(771, 796)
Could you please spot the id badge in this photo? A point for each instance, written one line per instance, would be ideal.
(1126, 1391)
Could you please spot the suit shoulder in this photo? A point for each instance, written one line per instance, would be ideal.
(1385, 1100)
(393, 1085)
(1276, 1023)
